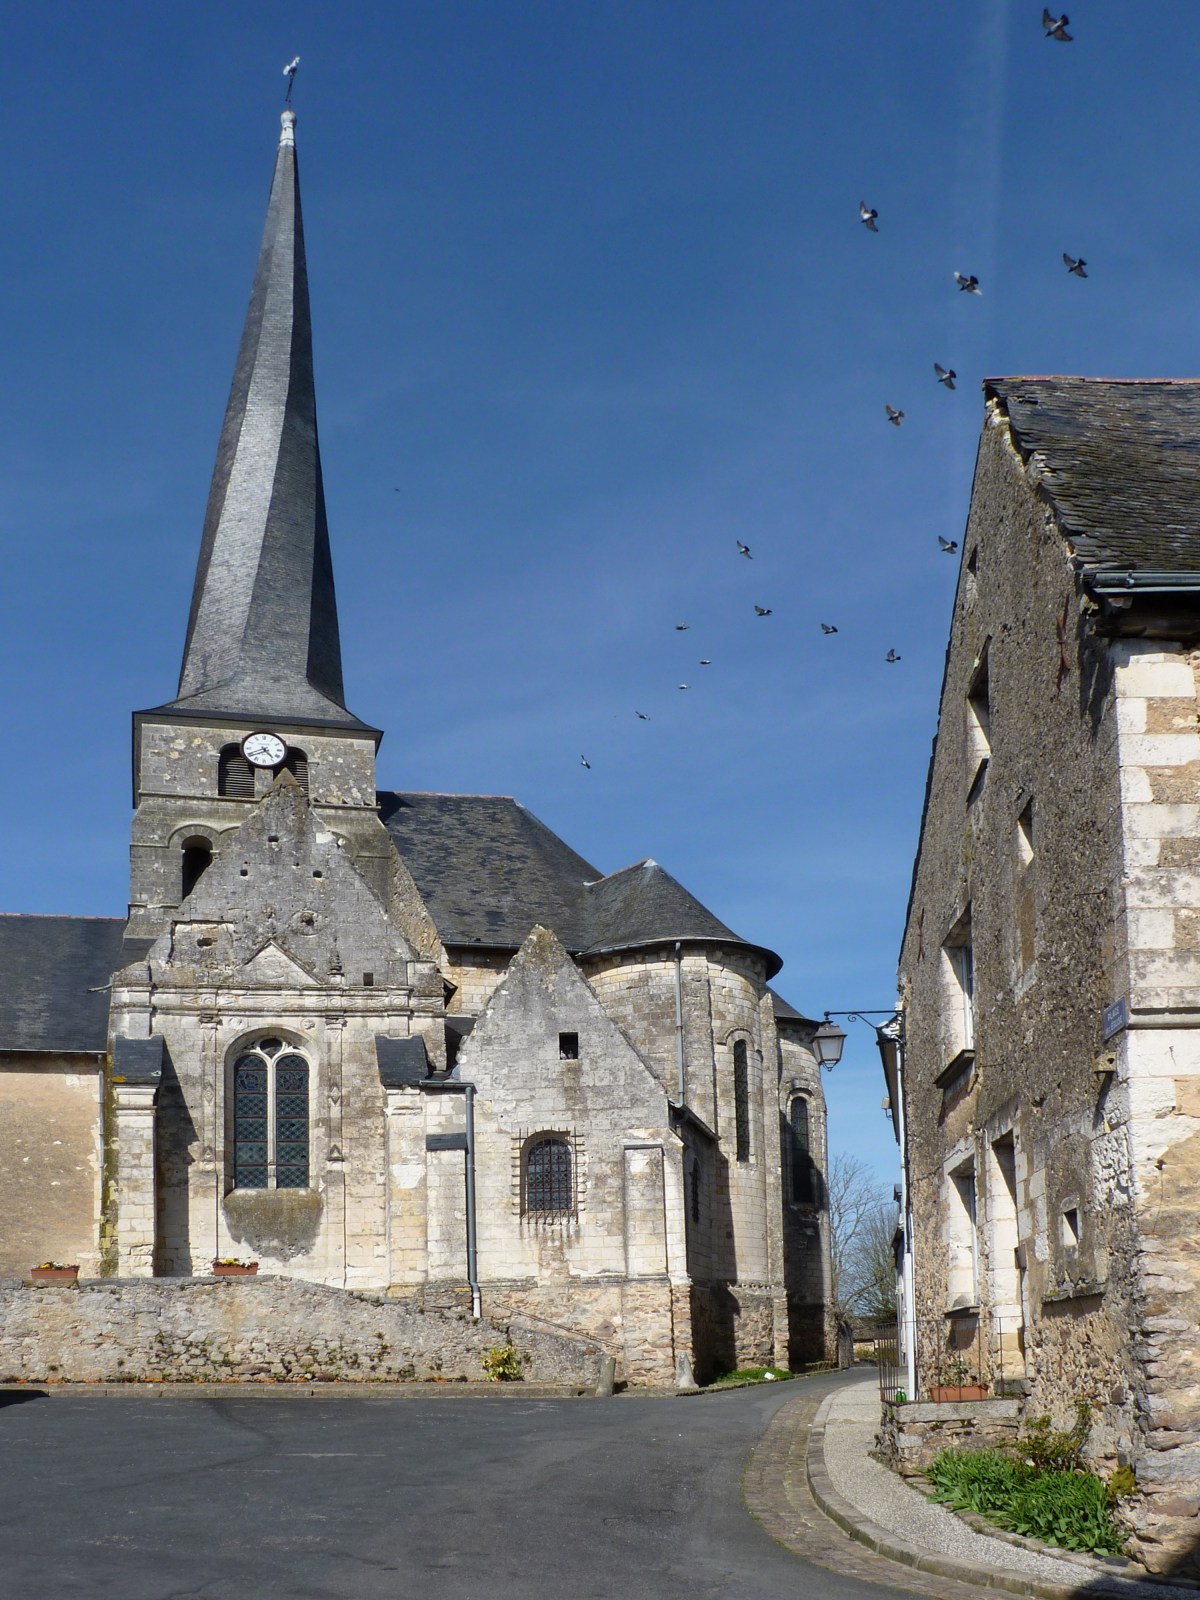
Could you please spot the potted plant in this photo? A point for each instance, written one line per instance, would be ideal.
(54, 1272)
(233, 1267)
(956, 1382)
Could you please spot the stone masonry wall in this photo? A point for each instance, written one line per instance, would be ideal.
(256, 1330)
(50, 1114)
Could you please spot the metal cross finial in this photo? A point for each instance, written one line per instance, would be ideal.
(289, 73)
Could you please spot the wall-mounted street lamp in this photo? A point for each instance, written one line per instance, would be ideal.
(829, 1038)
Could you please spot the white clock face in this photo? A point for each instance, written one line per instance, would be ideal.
(263, 749)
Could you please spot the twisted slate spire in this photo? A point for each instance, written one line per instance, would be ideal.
(262, 639)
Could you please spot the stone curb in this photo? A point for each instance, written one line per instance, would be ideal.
(295, 1391)
(885, 1543)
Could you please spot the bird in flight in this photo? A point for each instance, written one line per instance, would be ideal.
(828, 627)
(744, 550)
(867, 215)
(970, 285)
(762, 611)
(584, 762)
(682, 627)
(948, 545)
(706, 661)
(945, 375)
(642, 717)
(1056, 27)
(1075, 265)
(895, 417)
(289, 73)
(891, 656)
(685, 686)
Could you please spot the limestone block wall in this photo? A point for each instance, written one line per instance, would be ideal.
(256, 1330)
(51, 1114)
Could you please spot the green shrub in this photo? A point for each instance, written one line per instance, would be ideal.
(501, 1363)
(1072, 1509)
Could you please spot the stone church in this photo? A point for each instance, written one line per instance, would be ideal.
(401, 1045)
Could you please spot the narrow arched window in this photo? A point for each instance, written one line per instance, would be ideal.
(804, 1189)
(270, 1117)
(296, 762)
(695, 1190)
(235, 775)
(197, 858)
(548, 1188)
(741, 1100)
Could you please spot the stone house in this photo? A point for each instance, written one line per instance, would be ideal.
(1049, 973)
(403, 1044)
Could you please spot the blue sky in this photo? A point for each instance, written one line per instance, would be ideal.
(591, 303)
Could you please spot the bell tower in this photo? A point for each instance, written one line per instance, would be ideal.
(260, 689)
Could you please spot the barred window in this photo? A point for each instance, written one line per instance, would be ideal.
(270, 1117)
(741, 1100)
(548, 1189)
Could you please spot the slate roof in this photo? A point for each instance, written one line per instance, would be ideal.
(54, 975)
(1119, 460)
(489, 871)
(262, 639)
(784, 1012)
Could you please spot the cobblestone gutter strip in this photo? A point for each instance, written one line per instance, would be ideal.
(1096, 1581)
(293, 1391)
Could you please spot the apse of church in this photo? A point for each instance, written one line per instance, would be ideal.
(401, 1046)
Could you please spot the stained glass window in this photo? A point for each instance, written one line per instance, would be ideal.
(270, 1117)
(548, 1177)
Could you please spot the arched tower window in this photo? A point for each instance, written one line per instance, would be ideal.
(296, 762)
(270, 1116)
(197, 858)
(548, 1187)
(741, 1099)
(235, 775)
(803, 1184)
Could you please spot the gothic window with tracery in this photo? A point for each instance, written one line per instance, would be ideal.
(270, 1117)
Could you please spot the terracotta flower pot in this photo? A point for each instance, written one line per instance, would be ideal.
(959, 1391)
(54, 1274)
(234, 1269)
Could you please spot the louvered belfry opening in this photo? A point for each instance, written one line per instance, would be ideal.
(197, 858)
(296, 762)
(235, 775)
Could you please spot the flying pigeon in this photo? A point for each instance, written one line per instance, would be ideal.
(1056, 27)
(289, 73)
(945, 375)
(1075, 265)
(891, 656)
(642, 717)
(762, 611)
(971, 284)
(867, 216)
(584, 762)
(894, 416)
(828, 627)
(744, 550)
(706, 662)
(685, 686)
(682, 627)
(948, 545)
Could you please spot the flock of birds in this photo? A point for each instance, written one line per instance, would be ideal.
(968, 283)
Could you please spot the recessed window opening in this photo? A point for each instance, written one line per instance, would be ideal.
(695, 1186)
(548, 1185)
(1025, 836)
(958, 972)
(197, 858)
(1070, 1230)
(368, 980)
(802, 1173)
(962, 1259)
(235, 775)
(568, 1047)
(270, 1117)
(741, 1100)
(979, 722)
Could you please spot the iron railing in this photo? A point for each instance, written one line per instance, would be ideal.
(964, 1355)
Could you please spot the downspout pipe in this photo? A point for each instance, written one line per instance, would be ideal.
(680, 1091)
(472, 1242)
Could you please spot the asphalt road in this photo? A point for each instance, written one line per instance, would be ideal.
(391, 1499)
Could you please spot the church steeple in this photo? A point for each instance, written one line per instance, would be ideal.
(262, 639)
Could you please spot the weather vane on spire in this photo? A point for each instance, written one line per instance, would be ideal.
(289, 73)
